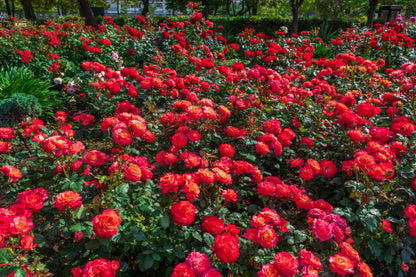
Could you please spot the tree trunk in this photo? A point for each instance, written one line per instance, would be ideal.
(371, 12)
(255, 8)
(13, 6)
(205, 10)
(145, 9)
(409, 8)
(28, 9)
(85, 9)
(9, 13)
(295, 14)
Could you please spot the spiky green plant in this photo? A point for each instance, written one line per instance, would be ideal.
(21, 80)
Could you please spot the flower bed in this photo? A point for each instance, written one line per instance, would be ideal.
(174, 153)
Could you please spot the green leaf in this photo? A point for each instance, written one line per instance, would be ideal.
(5, 256)
(197, 236)
(5, 270)
(375, 247)
(139, 236)
(370, 221)
(20, 273)
(148, 262)
(80, 212)
(209, 239)
(76, 228)
(300, 236)
(165, 221)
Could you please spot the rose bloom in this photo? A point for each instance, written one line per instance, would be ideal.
(328, 168)
(262, 148)
(267, 237)
(341, 265)
(410, 211)
(268, 270)
(322, 229)
(33, 199)
(226, 150)
(183, 213)
(307, 258)
(179, 140)
(27, 242)
(12, 172)
(226, 248)
(266, 188)
(350, 252)
(212, 225)
(199, 262)
(133, 173)
(386, 225)
(98, 267)
(67, 199)
(412, 227)
(212, 272)
(364, 270)
(106, 224)
(183, 270)
(286, 264)
(95, 158)
(122, 136)
(229, 195)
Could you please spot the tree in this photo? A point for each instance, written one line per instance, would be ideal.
(28, 9)
(295, 6)
(371, 12)
(86, 11)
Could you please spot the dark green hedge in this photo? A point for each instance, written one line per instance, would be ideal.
(268, 25)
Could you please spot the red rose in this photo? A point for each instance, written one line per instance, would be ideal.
(226, 248)
(122, 136)
(179, 140)
(183, 213)
(183, 270)
(267, 237)
(322, 229)
(27, 242)
(229, 195)
(95, 158)
(133, 173)
(386, 225)
(341, 265)
(226, 150)
(286, 264)
(33, 199)
(67, 199)
(262, 148)
(212, 225)
(12, 172)
(106, 224)
(307, 258)
(268, 270)
(199, 262)
(328, 168)
(100, 267)
(350, 252)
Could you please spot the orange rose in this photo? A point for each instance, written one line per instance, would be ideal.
(67, 199)
(106, 224)
(341, 264)
(133, 173)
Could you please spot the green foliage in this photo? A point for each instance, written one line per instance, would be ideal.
(22, 81)
(15, 108)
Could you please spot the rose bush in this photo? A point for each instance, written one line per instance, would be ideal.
(182, 154)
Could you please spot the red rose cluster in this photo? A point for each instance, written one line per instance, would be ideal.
(196, 264)
(98, 267)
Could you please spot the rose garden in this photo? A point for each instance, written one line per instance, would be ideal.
(162, 149)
